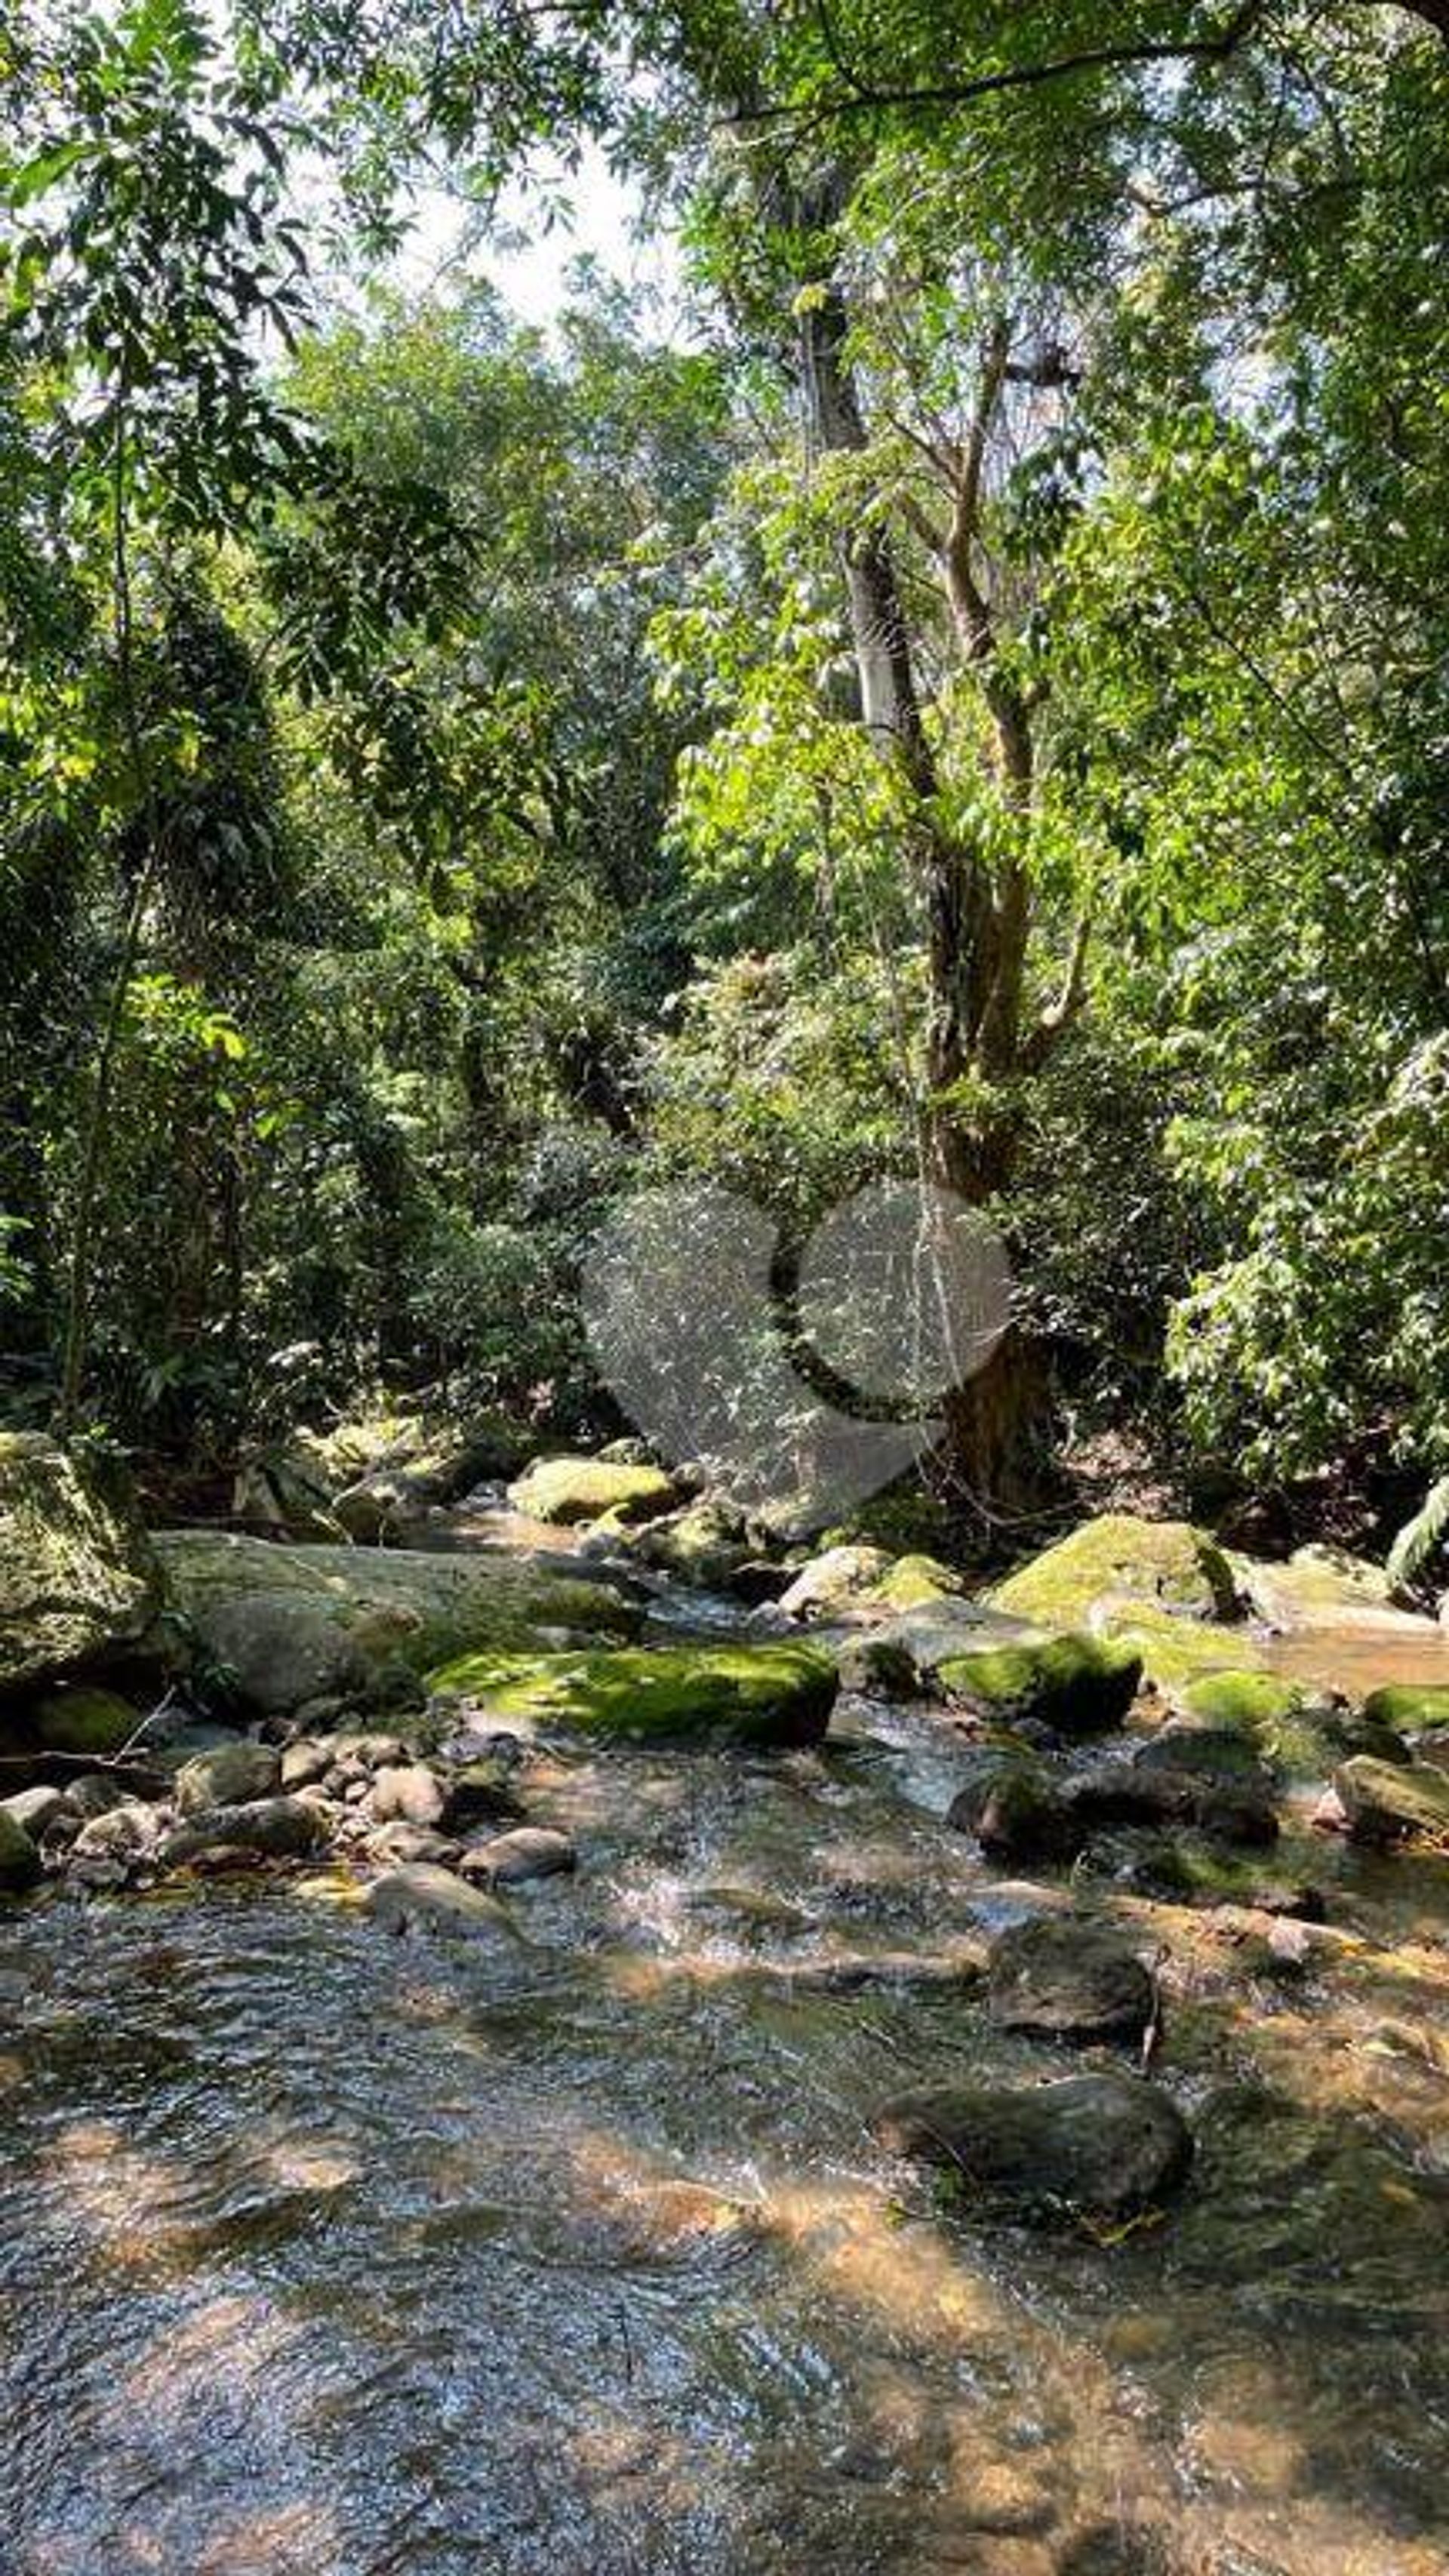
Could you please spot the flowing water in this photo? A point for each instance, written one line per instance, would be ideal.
(332, 2253)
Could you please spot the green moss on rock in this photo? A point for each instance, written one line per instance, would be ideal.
(286, 1624)
(77, 1574)
(584, 1489)
(772, 1694)
(1077, 1685)
(82, 1720)
(1245, 1701)
(1165, 1563)
(1176, 1651)
(1410, 1708)
(913, 1582)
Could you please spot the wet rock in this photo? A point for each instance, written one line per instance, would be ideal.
(584, 1489)
(20, 1864)
(1384, 1803)
(1168, 1564)
(110, 1847)
(1235, 1811)
(1074, 1685)
(742, 1695)
(528, 1851)
(1102, 2145)
(834, 1581)
(758, 1582)
(397, 1844)
(34, 1810)
(874, 1663)
(1016, 1810)
(409, 1793)
(1205, 1752)
(94, 1793)
(424, 1898)
(1069, 1978)
(294, 1623)
(479, 1794)
(229, 1776)
(267, 1828)
(77, 1572)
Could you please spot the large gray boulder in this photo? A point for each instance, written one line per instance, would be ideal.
(284, 1625)
(77, 1572)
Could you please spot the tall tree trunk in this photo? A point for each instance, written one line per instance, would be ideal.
(976, 937)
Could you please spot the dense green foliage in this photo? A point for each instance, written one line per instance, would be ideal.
(449, 776)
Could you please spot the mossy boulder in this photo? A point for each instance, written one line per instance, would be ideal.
(1388, 1802)
(750, 1695)
(77, 1572)
(1410, 1708)
(78, 1718)
(1075, 1685)
(703, 1545)
(1246, 1702)
(914, 1582)
(1168, 1564)
(275, 1626)
(1175, 1651)
(584, 1489)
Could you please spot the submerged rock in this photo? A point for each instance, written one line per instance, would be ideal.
(424, 1898)
(1167, 1563)
(1074, 1685)
(77, 1572)
(761, 1695)
(1071, 1978)
(1101, 2145)
(289, 1624)
(584, 1489)
(1121, 1793)
(1386, 1802)
(1015, 1809)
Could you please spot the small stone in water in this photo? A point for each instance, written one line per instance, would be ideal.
(530, 1851)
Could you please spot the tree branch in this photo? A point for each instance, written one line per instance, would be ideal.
(864, 96)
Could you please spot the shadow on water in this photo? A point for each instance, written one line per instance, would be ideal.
(331, 2253)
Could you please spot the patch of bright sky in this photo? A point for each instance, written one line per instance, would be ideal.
(530, 244)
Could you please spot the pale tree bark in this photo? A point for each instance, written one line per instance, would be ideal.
(978, 920)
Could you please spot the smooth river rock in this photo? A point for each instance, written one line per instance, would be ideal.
(1102, 2145)
(1069, 1978)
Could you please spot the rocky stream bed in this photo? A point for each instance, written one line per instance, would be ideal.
(572, 2045)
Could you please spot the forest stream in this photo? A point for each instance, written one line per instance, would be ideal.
(332, 2252)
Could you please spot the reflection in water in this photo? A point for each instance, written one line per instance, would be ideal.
(332, 2254)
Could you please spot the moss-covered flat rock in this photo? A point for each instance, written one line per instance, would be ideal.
(762, 1695)
(1410, 1708)
(1247, 1702)
(584, 1489)
(914, 1582)
(1075, 1685)
(1168, 1563)
(1175, 1651)
(281, 1625)
(77, 1573)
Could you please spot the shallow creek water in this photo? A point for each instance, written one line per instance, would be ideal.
(326, 2252)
